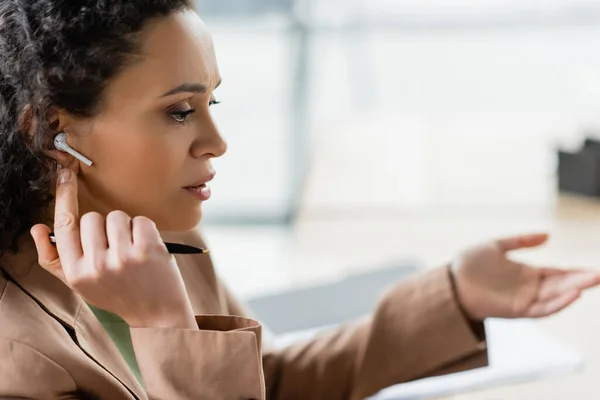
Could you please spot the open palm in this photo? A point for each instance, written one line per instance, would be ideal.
(489, 284)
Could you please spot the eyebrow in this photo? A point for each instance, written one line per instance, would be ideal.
(190, 87)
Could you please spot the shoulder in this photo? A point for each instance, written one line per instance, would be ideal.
(27, 373)
(17, 356)
(25, 369)
(24, 324)
(20, 315)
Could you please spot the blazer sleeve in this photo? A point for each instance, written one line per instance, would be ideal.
(417, 330)
(229, 366)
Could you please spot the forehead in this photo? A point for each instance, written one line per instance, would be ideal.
(183, 43)
(175, 50)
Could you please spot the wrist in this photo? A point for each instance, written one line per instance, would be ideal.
(469, 316)
(475, 323)
(181, 320)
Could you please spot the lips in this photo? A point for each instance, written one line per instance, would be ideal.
(201, 182)
(199, 189)
(196, 186)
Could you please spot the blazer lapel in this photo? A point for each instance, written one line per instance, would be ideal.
(71, 310)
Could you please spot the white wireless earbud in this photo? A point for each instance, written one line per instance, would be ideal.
(60, 143)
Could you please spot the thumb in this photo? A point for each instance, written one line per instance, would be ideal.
(522, 242)
(47, 254)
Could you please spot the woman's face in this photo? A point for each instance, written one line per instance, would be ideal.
(155, 136)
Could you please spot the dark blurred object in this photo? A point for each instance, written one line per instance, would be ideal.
(580, 172)
(593, 144)
(331, 303)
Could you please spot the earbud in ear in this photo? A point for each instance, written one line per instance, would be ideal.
(60, 143)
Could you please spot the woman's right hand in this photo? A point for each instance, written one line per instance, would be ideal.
(115, 263)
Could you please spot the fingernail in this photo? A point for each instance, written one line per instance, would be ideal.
(64, 175)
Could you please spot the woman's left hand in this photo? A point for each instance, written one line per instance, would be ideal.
(489, 284)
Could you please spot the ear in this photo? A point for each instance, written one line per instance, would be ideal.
(57, 122)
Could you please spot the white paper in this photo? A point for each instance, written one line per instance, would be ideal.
(518, 351)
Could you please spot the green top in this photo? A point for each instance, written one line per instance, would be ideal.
(118, 330)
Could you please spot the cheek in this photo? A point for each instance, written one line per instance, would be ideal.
(141, 171)
(132, 166)
(147, 172)
(133, 158)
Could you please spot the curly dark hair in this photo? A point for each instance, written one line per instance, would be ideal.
(62, 54)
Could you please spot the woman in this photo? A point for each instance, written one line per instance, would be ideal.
(108, 313)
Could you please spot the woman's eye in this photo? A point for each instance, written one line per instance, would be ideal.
(181, 117)
(213, 102)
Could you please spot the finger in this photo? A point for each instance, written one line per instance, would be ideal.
(562, 271)
(47, 254)
(145, 232)
(66, 219)
(554, 271)
(544, 308)
(118, 231)
(556, 285)
(65, 160)
(522, 242)
(578, 280)
(93, 234)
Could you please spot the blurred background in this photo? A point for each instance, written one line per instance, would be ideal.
(364, 133)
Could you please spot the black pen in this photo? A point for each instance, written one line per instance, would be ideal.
(173, 248)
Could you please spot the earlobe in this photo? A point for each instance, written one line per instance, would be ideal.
(62, 159)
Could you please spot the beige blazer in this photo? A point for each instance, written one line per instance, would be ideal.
(52, 346)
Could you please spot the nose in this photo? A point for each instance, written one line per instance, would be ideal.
(209, 142)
